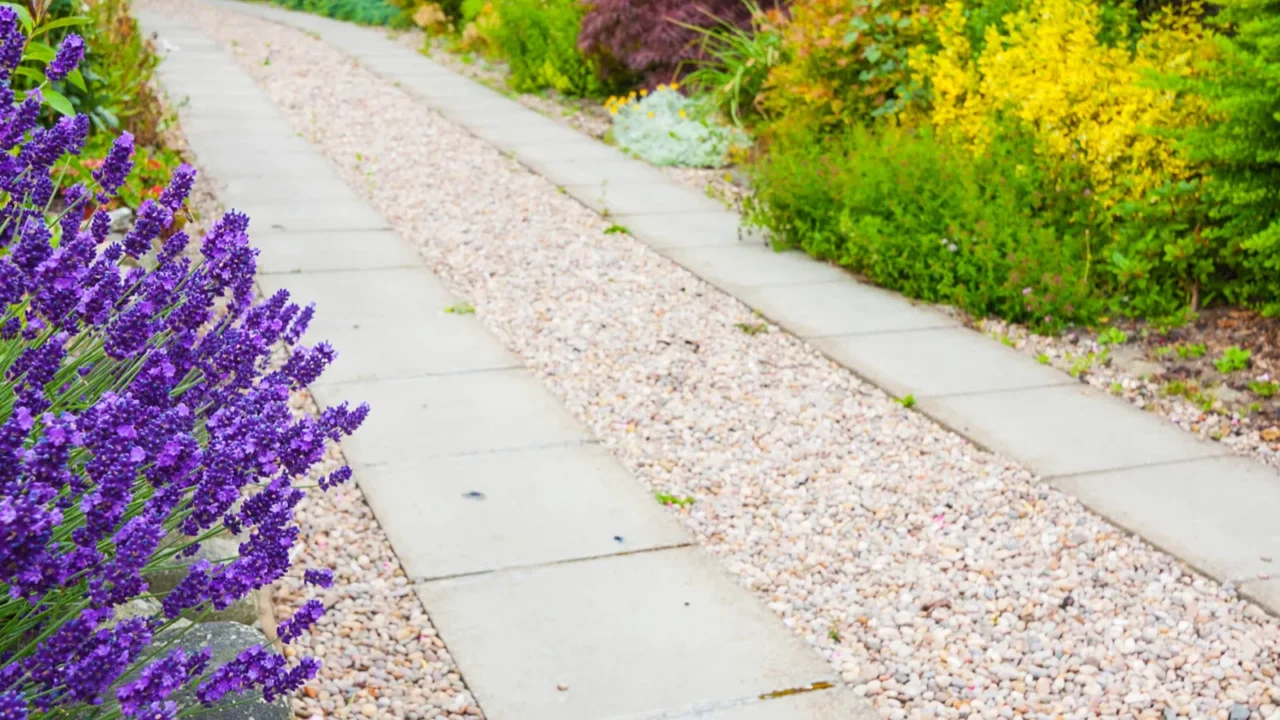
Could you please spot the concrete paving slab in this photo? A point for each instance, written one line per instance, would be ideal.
(742, 265)
(443, 415)
(843, 307)
(1219, 514)
(346, 298)
(390, 324)
(322, 250)
(837, 703)
(266, 140)
(195, 125)
(588, 149)
(444, 90)
(524, 131)
(631, 636)
(1265, 593)
(314, 214)
(242, 190)
(943, 361)
(478, 513)
(717, 228)
(596, 173)
(284, 168)
(641, 198)
(481, 112)
(1067, 429)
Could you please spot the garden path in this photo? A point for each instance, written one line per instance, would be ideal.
(564, 591)
(935, 577)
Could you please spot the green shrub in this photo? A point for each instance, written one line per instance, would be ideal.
(539, 41)
(1241, 149)
(735, 63)
(365, 12)
(667, 128)
(993, 234)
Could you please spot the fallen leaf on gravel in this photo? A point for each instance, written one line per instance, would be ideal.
(1271, 434)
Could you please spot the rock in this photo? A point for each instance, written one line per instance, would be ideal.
(1239, 712)
(225, 640)
(121, 220)
(138, 607)
(1131, 360)
(215, 550)
(1226, 395)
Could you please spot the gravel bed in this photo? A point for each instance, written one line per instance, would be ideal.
(939, 580)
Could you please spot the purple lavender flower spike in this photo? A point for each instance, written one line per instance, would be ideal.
(179, 187)
(116, 166)
(322, 577)
(158, 681)
(100, 226)
(302, 620)
(70, 53)
(22, 120)
(338, 477)
(12, 42)
(13, 706)
(153, 219)
(167, 710)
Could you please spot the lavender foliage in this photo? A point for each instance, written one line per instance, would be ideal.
(139, 416)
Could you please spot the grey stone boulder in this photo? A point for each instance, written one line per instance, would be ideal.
(216, 550)
(226, 640)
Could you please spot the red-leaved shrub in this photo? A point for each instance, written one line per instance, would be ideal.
(647, 39)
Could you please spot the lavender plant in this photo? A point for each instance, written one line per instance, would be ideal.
(139, 417)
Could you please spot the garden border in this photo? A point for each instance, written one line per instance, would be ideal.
(1190, 497)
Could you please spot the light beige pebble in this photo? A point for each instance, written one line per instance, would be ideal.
(838, 507)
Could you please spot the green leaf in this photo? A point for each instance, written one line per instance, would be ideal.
(75, 78)
(60, 22)
(58, 101)
(24, 17)
(30, 72)
(40, 51)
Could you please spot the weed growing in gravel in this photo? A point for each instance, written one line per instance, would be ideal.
(1117, 388)
(1113, 336)
(1043, 359)
(616, 229)
(1233, 358)
(669, 499)
(1192, 351)
(1264, 389)
(906, 401)
(834, 634)
(751, 328)
(1081, 364)
(462, 308)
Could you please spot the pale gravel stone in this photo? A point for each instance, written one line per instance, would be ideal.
(895, 547)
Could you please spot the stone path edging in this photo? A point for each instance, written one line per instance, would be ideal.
(1192, 498)
(560, 587)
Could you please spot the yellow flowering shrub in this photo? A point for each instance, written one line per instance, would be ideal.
(844, 61)
(1086, 102)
